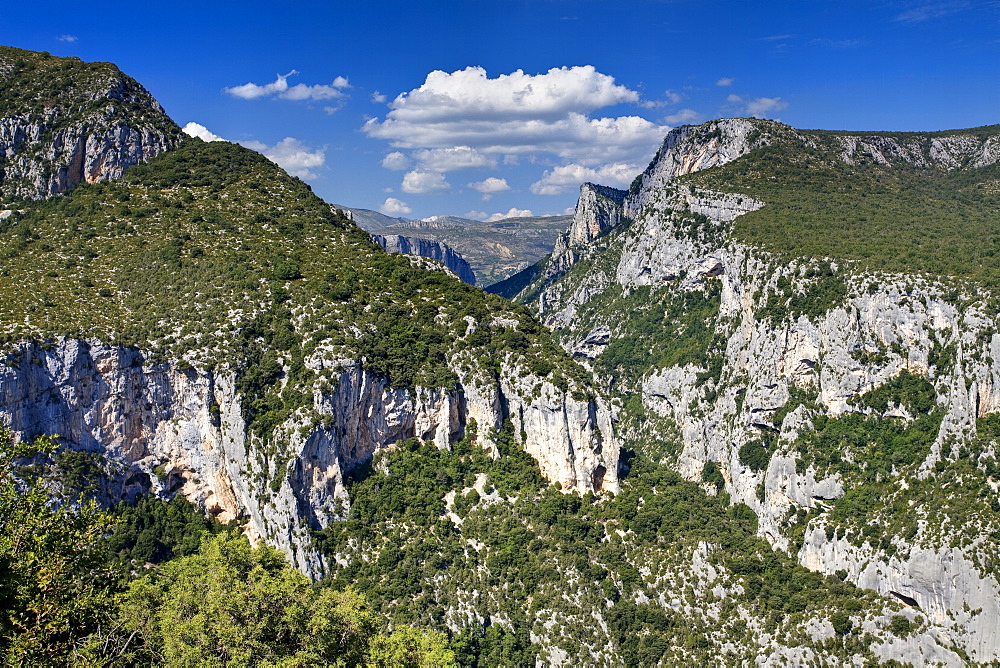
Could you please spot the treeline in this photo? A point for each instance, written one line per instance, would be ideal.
(156, 584)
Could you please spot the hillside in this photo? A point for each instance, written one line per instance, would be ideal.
(66, 122)
(723, 474)
(813, 314)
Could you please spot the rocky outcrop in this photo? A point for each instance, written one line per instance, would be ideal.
(597, 209)
(692, 148)
(883, 326)
(435, 250)
(167, 430)
(62, 134)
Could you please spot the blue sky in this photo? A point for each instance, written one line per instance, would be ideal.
(477, 108)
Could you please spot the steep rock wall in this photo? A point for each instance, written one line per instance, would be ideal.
(435, 250)
(92, 132)
(884, 325)
(169, 431)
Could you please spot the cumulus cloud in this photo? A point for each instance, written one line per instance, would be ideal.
(683, 116)
(519, 113)
(450, 159)
(201, 132)
(513, 213)
(394, 207)
(379, 98)
(291, 155)
(67, 38)
(396, 160)
(418, 182)
(490, 185)
(725, 81)
(469, 93)
(763, 106)
(569, 177)
(280, 88)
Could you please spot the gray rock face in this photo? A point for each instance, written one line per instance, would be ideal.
(169, 431)
(690, 149)
(886, 325)
(93, 134)
(435, 250)
(598, 209)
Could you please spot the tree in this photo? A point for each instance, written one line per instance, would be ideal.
(408, 647)
(55, 584)
(232, 604)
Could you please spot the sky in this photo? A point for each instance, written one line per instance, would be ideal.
(487, 109)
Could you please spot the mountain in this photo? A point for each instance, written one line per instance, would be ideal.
(66, 122)
(197, 339)
(495, 250)
(369, 220)
(435, 250)
(742, 453)
(813, 314)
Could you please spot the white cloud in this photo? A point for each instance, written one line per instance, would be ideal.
(396, 160)
(394, 207)
(490, 185)
(683, 116)
(67, 38)
(673, 97)
(569, 177)
(450, 159)
(762, 106)
(469, 93)
(476, 215)
(418, 182)
(513, 213)
(519, 114)
(291, 155)
(932, 10)
(280, 88)
(379, 98)
(725, 81)
(734, 98)
(201, 132)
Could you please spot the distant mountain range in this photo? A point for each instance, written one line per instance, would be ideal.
(494, 250)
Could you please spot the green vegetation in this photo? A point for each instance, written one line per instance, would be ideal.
(230, 604)
(661, 330)
(155, 531)
(54, 582)
(70, 593)
(823, 291)
(509, 556)
(60, 95)
(190, 259)
(897, 217)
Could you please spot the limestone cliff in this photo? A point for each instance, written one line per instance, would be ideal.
(169, 431)
(64, 122)
(435, 250)
(772, 376)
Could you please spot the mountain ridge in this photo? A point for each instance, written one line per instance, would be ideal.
(741, 442)
(703, 311)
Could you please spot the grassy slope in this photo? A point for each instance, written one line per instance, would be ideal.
(894, 217)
